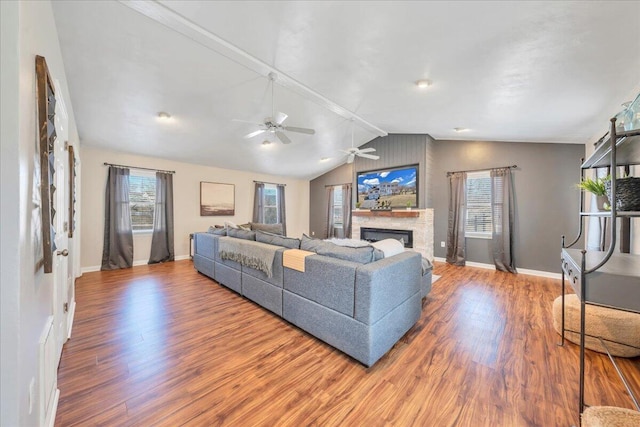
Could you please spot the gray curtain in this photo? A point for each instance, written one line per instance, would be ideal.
(502, 219)
(117, 249)
(282, 216)
(331, 227)
(457, 218)
(162, 239)
(346, 210)
(258, 200)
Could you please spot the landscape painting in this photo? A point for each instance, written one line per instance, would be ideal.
(217, 199)
(397, 187)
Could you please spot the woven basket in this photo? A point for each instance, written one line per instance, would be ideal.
(627, 193)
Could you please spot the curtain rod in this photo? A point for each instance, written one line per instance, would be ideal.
(485, 169)
(272, 183)
(335, 185)
(136, 167)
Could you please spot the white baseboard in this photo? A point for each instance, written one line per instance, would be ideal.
(72, 315)
(93, 268)
(524, 271)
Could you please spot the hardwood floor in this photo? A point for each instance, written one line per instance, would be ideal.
(165, 345)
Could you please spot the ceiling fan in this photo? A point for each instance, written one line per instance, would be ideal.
(353, 151)
(274, 125)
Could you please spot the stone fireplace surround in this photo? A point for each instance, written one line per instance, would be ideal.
(420, 221)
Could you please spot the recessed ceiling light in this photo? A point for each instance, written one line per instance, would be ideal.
(324, 159)
(164, 117)
(423, 84)
(460, 129)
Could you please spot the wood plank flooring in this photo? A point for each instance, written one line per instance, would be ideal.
(163, 345)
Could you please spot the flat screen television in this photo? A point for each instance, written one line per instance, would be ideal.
(398, 186)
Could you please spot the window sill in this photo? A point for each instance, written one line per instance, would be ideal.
(142, 232)
(486, 236)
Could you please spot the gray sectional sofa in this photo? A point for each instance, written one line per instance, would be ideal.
(362, 309)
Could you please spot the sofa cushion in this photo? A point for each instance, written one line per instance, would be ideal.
(389, 247)
(217, 231)
(241, 234)
(361, 255)
(279, 240)
(269, 228)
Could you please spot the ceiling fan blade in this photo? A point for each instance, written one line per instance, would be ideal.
(252, 134)
(280, 117)
(367, 150)
(299, 130)
(282, 137)
(350, 158)
(369, 156)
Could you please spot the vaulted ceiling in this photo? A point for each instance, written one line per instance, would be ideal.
(508, 71)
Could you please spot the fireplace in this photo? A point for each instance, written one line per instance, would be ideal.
(375, 234)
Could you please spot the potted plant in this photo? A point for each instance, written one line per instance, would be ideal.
(358, 204)
(598, 188)
(409, 205)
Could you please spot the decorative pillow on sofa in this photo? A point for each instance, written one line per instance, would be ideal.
(276, 239)
(351, 243)
(269, 228)
(241, 234)
(229, 225)
(362, 255)
(217, 231)
(389, 247)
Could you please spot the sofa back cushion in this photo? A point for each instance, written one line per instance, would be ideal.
(362, 255)
(278, 240)
(217, 231)
(241, 234)
(269, 228)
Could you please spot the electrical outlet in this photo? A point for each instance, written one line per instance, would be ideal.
(442, 244)
(32, 389)
(313, 233)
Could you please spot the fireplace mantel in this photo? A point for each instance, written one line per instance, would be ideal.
(389, 214)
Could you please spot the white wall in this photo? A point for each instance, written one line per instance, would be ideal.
(186, 189)
(28, 29)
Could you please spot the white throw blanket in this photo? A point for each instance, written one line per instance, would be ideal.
(252, 254)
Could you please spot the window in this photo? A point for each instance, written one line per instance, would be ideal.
(337, 206)
(478, 223)
(142, 200)
(270, 204)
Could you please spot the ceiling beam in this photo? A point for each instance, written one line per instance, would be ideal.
(174, 21)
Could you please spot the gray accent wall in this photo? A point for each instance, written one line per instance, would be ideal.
(394, 151)
(401, 150)
(545, 196)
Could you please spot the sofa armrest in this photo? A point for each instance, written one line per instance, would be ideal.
(205, 244)
(383, 285)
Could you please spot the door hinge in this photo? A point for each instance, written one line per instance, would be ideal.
(66, 226)
(65, 307)
(66, 145)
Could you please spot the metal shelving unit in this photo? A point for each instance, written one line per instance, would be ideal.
(604, 278)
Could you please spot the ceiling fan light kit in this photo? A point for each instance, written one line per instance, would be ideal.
(274, 124)
(423, 84)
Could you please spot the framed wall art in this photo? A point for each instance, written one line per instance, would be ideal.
(217, 199)
(46, 106)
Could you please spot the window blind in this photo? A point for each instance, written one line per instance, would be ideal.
(478, 222)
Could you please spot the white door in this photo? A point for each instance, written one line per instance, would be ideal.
(60, 260)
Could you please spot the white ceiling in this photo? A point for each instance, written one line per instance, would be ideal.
(508, 71)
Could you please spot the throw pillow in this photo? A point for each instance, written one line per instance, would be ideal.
(276, 239)
(241, 234)
(229, 224)
(390, 247)
(269, 228)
